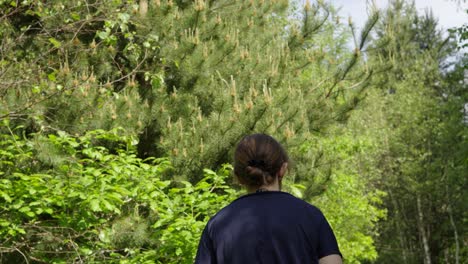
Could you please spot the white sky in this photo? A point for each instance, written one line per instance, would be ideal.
(449, 12)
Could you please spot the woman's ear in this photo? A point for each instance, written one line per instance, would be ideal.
(282, 170)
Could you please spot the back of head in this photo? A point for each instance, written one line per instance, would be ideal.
(257, 160)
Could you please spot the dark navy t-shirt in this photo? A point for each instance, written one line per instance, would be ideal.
(267, 227)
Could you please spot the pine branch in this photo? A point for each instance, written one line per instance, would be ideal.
(370, 23)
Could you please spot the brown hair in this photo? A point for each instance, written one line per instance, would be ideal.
(257, 160)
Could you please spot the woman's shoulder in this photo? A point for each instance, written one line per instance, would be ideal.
(278, 200)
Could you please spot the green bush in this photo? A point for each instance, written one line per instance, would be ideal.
(91, 199)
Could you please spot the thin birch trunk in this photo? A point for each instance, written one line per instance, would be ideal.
(143, 7)
(452, 222)
(422, 232)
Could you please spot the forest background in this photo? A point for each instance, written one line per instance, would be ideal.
(118, 121)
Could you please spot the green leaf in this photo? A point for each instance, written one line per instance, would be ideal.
(108, 205)
(94, 205)
(296, 191)
(36, 89)
(124, 17)
(6, 197)
(55, 42)
(75, 16)
(86, 251)
(51, 76)
(4, 223)
(104, 236)
(30, 214)
(102, 34)
(25, 209)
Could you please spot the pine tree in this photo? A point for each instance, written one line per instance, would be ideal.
(190, 77)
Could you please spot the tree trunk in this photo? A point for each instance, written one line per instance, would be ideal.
(422, 232)
(452, 222)
(401, 236)
(143, 7)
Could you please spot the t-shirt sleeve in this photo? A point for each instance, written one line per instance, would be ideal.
(205, 252)
(327, 241)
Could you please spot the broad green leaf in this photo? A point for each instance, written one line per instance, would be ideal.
(94, 205)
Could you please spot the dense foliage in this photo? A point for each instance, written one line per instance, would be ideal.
(96, 201)
(118, 121)
(419, 120)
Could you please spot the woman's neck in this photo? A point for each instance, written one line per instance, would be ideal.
(275, 186)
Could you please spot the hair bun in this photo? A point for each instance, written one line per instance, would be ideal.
(257, 160)
(257, 176)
